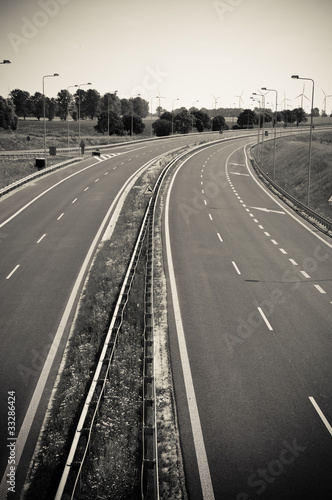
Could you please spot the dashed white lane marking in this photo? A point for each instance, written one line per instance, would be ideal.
(274, 242)
(86, 189)
(306, 275)
(74, 200)
(236, 268)
(96, 180)
(13, 271)
(321, 414)
(265, 318)
(266, 233)
(283, 251)
(205, 202)
(41, 238)
(319, 288)
(106, 173)
(60, 216)
(293, 262)
(261, 227)
(210, 217)
(219, 237)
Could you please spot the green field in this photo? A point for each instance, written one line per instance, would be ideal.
(57, 134)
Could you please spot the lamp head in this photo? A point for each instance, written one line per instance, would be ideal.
(295, 76)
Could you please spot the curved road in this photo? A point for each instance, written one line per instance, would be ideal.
(46, 230)
(250, 308)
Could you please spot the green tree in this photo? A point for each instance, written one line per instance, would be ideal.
(167, 115)
(125, 106)
(20, 100)
(247, 118)
(162, 127)
(183, 121)
(219, 123)
(115, 123)
(299, 116)
(130, 119)
(202, 120)
(51, 108)
(8, 118)
(37, 105)
(64, 101)
(91, 103)
(141, 107)
(110, 102)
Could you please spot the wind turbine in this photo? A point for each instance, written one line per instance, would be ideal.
(240, 98)
(302, 95)
(215, 100)
(324, 101)
(284, 102)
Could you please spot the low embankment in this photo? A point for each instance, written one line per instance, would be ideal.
(291, 167)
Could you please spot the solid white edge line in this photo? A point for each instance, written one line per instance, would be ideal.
(265, 318)
(202, 461)
(281, 206)
(321, 414)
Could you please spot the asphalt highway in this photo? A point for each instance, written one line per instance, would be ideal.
(46, 231)
(250, 311)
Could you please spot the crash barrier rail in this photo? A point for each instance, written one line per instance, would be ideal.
(40, 173)
(302, 209)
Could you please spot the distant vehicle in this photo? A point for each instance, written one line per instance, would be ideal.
(96, 152)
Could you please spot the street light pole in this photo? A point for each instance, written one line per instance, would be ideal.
(44, 110)
(108, 116)
(132, 115)
(79, 110)
(70, 86)
(310, 136)
(258, 121)
(275, 131)
(177, 99)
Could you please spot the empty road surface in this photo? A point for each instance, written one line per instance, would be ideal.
(250, 310)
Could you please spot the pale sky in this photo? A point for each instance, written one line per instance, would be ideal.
(189, 50)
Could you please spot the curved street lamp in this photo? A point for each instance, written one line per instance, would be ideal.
(177, 99)
(44, 111)
(311, 127)
(79, 110)
(70, 86)
(275, 131)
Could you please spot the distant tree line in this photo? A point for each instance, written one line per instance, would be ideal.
(119, 116)
(86, 103)
(248, 118)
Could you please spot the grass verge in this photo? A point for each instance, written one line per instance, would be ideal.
(292, 168)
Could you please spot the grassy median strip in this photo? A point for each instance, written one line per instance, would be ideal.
(113, 467)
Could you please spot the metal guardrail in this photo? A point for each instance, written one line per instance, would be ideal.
(35, 175)
(310, 214)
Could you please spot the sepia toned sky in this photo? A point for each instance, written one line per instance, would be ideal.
(189, 50)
